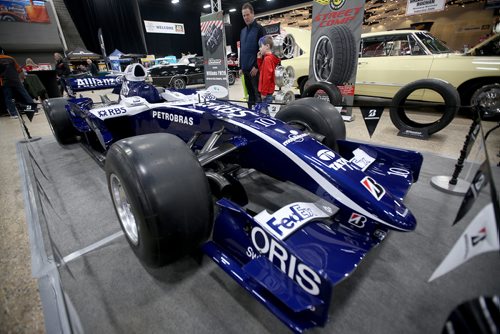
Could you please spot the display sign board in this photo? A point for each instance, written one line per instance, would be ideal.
(164, 27)
(213, 40)
(335, 39)
(23, 11)
(414, 7)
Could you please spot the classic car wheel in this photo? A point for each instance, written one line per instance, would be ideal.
(231, 78)
(488, 99)
(334, 56)
(315, 116)
(447, 92)
(178, 83)
(161, 196)
(333, 93)
(59, 121)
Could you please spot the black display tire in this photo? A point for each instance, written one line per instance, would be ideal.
(317, 116)
(59, 121)
(165, 190)
(334, 55)
(448, 93)
(231, 78)
(333, 93)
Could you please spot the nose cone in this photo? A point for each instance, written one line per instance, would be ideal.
(400, 219)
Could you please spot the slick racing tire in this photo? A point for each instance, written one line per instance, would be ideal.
(161, 196)
(333, 93)
(316, 117)
(178, 83)
(231, 78)
(59, 121)
(448, 93)
(334, 55)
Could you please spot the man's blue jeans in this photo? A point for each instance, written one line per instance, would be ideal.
(8, 94)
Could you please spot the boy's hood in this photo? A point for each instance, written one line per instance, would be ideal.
(273, 58)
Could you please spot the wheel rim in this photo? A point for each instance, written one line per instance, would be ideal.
(122, 206)
(300, 125)
(323, 59)
(488, 99)
(288, 46)
(179, 84)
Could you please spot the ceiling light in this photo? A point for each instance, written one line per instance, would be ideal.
(269, 0)
(175, 1)
(206, 5)
(232, 10)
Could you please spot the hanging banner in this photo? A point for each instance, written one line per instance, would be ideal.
(414, 7)
(213, 40)
(164, 27)
(335, 39)
(372, 117)
(28, 11)
(481, 236)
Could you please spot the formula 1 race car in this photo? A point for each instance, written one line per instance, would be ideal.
(178, 165)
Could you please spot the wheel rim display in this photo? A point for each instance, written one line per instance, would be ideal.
(122, 206)
(488, 99)
(323, 59)
(288, 46)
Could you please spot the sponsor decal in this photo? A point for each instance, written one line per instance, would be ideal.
(357, 220)
(294, 136)
(288, 263)
(338, 16)
(480, 236)
(173, 117)
(290, 218)
(218, 91)
(373, 187)
(361, 159)
(229, 110)
(95, 82)
(111, 111)
(337, 163)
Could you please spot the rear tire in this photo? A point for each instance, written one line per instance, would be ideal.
(332, 91)
(317, 116)
(178, 83)
(59, 121)
(161, 196)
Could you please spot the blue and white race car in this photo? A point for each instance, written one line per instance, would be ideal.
(177, 167)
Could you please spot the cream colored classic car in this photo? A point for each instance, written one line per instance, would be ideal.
(388, 60)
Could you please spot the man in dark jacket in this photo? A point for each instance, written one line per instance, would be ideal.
(249, 46)
(11, 83)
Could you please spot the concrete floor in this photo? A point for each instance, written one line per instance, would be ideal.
(20, 308)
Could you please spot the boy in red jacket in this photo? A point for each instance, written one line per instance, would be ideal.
(267, 63)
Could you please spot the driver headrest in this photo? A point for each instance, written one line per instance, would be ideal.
(135, 72)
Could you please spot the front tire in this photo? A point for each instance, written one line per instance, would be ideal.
(59, 121)
(161, 197)
(315, 116)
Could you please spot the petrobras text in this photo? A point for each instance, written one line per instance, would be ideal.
(173, 117)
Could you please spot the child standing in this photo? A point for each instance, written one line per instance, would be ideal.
(267, 63)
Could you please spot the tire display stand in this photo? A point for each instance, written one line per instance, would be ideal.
(91, 282)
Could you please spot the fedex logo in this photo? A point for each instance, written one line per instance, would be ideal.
(296, 215)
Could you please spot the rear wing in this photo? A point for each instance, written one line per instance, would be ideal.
(81, 84)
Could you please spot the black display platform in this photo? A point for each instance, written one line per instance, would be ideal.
(99, 285)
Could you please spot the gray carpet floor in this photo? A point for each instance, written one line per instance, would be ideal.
(107, 290)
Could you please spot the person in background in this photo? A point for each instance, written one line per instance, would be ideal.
(10, 81)
(267, 63)
(30, 65)
(62, 71)
(92, 68)
(249, 47)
